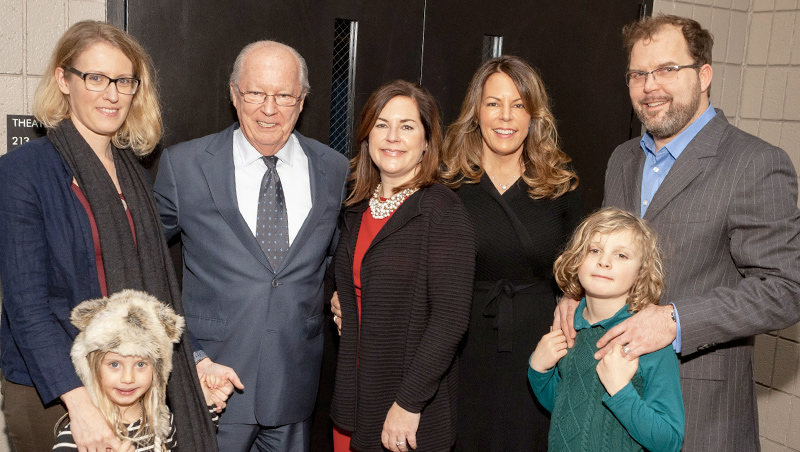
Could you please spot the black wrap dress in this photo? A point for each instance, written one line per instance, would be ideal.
(514, 297)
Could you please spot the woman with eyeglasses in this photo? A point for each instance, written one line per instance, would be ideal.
(504, 162)
(78, 221)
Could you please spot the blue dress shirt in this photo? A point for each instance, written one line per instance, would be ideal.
(657, 164)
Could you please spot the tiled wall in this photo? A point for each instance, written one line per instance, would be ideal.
(29, 30)
(757, 83)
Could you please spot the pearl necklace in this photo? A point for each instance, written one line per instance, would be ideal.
(382, 209)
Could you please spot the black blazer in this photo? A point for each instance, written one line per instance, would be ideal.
(416, 285)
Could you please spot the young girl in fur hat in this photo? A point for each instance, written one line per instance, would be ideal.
(123, 356)
(613, 262)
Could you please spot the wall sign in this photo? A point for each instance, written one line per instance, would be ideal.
(21, 129)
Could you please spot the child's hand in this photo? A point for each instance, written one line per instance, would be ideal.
(551, 348)
(213, 381)
(210, 384)
(615, 371)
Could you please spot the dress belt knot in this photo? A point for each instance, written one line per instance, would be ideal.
(499, 306)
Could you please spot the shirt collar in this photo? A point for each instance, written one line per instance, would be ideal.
(582, 323)
(679, 143)
(248, 154)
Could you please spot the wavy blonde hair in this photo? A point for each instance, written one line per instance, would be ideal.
(650, 281)
(142, 128)
(547, 172)
(111, 411)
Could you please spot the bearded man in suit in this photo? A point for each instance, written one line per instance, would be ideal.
(256, 207)
(724, 204)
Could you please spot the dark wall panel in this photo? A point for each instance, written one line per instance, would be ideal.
(194, 45)
(576, 47)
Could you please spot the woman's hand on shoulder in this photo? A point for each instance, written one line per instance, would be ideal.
(88, 425)
(550, 349)
(400, 429)
(336, 310)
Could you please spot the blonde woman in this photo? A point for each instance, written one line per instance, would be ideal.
(78, 221)
(504, 162)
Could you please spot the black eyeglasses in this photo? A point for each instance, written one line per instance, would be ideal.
(662, 76)
(281, 99)
(99, 82)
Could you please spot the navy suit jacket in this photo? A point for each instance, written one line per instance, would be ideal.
(264, 322)
(47, 266)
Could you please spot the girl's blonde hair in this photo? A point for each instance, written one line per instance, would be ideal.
(111, 411)
(650, 281)
(142, 128)
(547, 171)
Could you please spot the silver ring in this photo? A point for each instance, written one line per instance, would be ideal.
(626, 349)
(334, 318)
(398, 443)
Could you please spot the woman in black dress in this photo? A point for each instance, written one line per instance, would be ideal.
(503, 160)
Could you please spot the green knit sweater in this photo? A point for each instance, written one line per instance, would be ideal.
(645, 415)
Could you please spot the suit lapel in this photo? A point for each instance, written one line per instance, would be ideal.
(219, 173)
(408, 210)
(690, 165)
(317, 175)
(632, 180)
(352, 221)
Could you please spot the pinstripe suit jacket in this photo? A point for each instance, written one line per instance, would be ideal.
(729, 226)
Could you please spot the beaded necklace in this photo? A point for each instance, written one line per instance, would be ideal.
(382, 209)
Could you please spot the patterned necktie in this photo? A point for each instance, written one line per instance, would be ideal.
(272, 225)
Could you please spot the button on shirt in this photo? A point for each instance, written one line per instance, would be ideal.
(292, 167)
(658, 163)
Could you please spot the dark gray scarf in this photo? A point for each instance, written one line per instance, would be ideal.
(144, 265)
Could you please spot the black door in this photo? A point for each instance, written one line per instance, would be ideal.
(575, 45)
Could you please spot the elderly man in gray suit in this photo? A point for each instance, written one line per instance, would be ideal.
(724, 204)
(256, 206)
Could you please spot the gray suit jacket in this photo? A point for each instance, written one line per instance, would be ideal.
(728, 224)
(265, 323)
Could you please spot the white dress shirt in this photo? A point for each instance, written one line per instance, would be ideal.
(292, 167)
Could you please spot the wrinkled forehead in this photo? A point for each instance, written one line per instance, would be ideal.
(273, 66)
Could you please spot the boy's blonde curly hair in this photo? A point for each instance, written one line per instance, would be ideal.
(650, 281)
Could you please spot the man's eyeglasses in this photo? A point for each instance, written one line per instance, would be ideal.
(257, 97)
(99, 82)
(662, 76)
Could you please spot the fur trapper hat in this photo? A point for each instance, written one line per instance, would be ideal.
(130, 323)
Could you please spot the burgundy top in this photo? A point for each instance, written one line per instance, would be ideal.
(101, 273)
